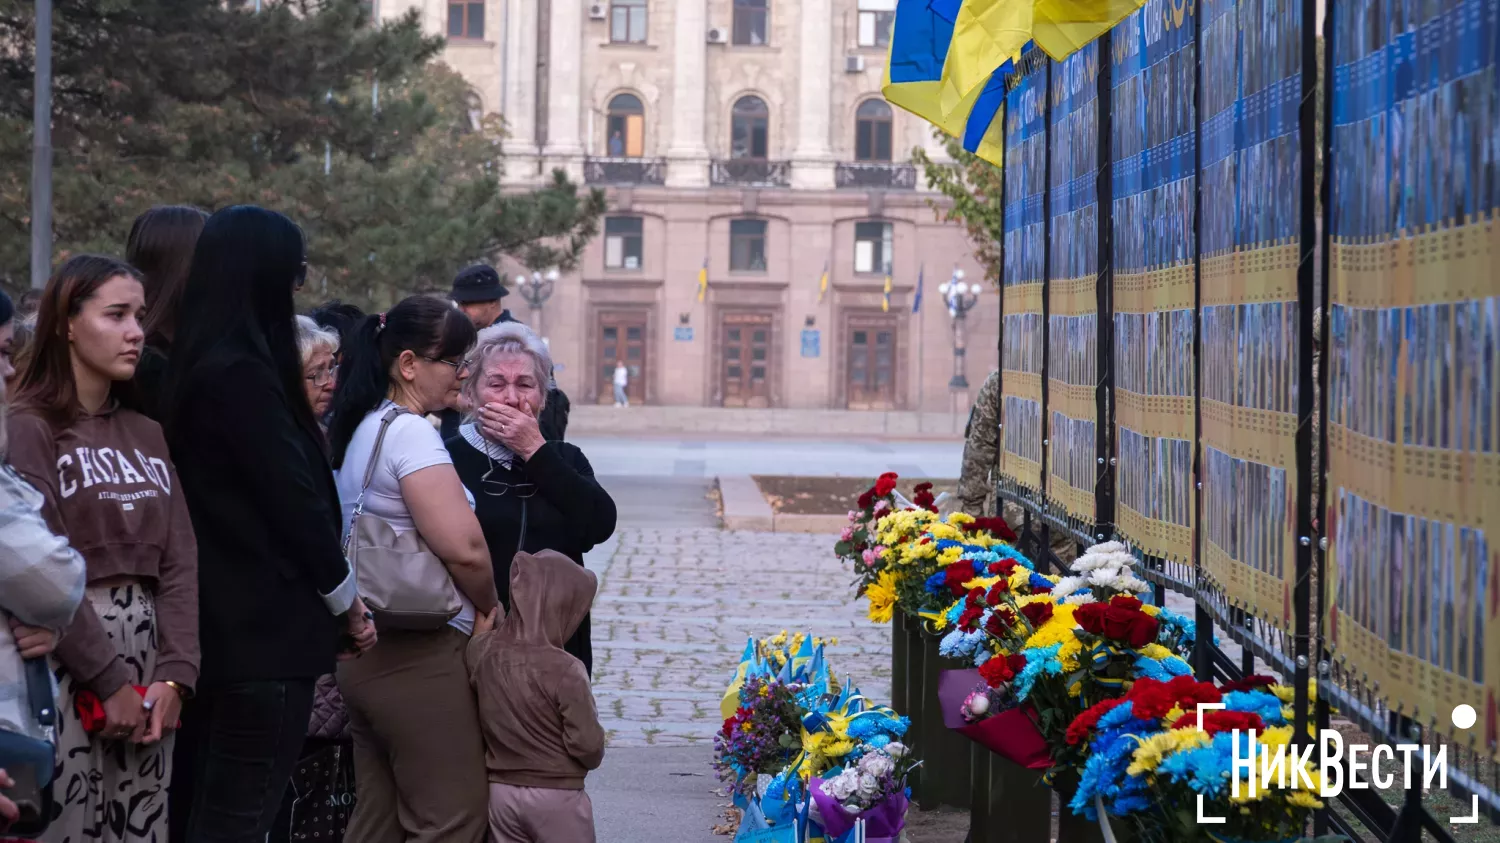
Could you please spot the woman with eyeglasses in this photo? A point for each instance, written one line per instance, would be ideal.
(319, 348)
(418, 751)
(530, 493)
(277, 600)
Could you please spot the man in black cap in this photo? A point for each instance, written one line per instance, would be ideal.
(477, 291)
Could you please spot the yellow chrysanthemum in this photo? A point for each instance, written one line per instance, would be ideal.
(1057, 630)
(981, 582)
(1068, 654)
(1156, 651)
(1304, 799)
(950, 555)
(882, 596)
(1150, 752)
(1153, 611)
(961, 519)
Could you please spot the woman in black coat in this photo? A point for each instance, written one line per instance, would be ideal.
(522, 482)
(274, 591)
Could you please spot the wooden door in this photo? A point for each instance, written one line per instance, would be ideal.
(622, 336)
(871, 383)
(746, 364)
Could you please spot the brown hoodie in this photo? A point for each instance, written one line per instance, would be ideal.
(541, 728)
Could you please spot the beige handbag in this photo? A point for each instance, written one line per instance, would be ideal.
(405, 585)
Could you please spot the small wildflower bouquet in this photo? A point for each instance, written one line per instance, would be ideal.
(761, 737)
(872, 789)
(1149, 758)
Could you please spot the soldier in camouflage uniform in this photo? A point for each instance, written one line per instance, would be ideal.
(981, 466)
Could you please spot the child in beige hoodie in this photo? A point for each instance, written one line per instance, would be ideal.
(541, 729)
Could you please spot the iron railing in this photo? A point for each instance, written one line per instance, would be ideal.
(750, 172)
(874, 175)
(625, 171)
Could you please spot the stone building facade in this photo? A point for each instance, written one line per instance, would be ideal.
(741, 139)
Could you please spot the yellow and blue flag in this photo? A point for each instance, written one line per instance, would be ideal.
(918, 77)
(916, 302)
(885, 298)
(823, 283)
(949, 58)
(703, 280)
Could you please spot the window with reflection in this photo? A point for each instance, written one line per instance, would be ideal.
(872, 131)
(751, 22)
(623, 243)
(750, 129)
(627, 21)
(747, 245)
(874, 247)
(876, 17)
(466, 19)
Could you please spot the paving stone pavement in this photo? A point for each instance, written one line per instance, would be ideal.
(675, 608)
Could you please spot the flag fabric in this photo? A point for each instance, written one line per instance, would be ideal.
(949, 58)
(703, 280)
(885, 299)
(916, 301)
(823, 283)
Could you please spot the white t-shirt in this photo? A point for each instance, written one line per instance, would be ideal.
(411, 444)
(622, 376)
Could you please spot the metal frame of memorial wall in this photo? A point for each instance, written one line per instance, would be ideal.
(1300, 653)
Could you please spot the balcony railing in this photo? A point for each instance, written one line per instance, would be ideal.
(871, 175)
(625, 170)
(749, 171)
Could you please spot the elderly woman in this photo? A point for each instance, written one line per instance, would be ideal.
(530, 493)
(319, 348)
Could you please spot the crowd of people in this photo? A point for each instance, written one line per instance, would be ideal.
(233, 535)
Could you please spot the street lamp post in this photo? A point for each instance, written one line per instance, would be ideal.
(536, 289)
(960, 298)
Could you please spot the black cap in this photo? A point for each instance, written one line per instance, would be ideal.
(479, 282)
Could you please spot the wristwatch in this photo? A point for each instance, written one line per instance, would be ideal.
(184, 693)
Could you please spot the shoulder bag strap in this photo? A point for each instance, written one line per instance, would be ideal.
(521, 542)
(39, 697)
(359, 502)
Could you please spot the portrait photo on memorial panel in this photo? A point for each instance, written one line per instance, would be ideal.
(1390, 361)
(1481, 607)
(1397, 588)
(1437, 569)
(1421, 578)
(1450, 550)
(1464, 601)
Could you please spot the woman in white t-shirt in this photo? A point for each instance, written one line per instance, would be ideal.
(418, 751)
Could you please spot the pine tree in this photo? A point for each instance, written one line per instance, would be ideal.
(213, 103)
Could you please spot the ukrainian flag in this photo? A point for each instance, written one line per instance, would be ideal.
(823, 282)
(949, 58)
(703, 280)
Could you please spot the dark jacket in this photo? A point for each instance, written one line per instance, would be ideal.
(150, 377)
(569, 512)
(266, 511)
(541, 727)
(553, 420)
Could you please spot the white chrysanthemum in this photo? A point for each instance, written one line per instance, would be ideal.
(1108, 547)
(1066, 586)
(1082, 598)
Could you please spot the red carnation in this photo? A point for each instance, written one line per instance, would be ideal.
(885, 484)
(955, 575)
(996, 595)
(1078, 730)
(867, 499)
(1006, 567)
(1218, 721)
(1000, 623)
(994, 526)
(996, 672)
(966, 620)
(1249, 683)
(1037, 612)
(922, 496)
(1017, 661)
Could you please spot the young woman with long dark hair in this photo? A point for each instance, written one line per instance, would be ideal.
(160, 246)
(418, 752)
(275, 590)
(108, 484)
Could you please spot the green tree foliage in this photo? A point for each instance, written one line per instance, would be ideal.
(212, 103)
(972, 189)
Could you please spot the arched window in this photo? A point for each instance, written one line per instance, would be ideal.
(749, 129)
(627, 127)
(872, 132)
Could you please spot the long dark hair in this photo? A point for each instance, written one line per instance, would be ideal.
(423, 325)
(45, 383)
(239, 291)
(161, 245)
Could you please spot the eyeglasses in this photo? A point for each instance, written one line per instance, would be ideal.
(323, 377)
(500, 488)
(458, 365)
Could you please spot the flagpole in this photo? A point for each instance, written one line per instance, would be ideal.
(921, 360)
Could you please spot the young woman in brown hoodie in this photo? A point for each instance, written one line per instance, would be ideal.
(541, 728)
(108, 484)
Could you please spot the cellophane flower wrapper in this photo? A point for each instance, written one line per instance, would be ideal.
(883, 821)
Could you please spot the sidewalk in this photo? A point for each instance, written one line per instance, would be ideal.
(595, 419)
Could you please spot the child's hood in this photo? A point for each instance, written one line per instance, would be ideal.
(549, 596)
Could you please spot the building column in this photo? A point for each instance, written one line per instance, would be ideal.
(687, 152)
(564, 127)
(518, 30)
(812, 158)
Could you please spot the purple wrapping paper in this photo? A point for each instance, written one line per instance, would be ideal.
(954, 686)
(883, 820)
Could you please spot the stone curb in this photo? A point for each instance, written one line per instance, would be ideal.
(746, 508)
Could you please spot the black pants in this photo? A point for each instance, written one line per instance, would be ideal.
(233, 759)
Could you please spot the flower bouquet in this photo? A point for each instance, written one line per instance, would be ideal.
(761, 737)
(991, 716)
(1150, 759)
(872, 790)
